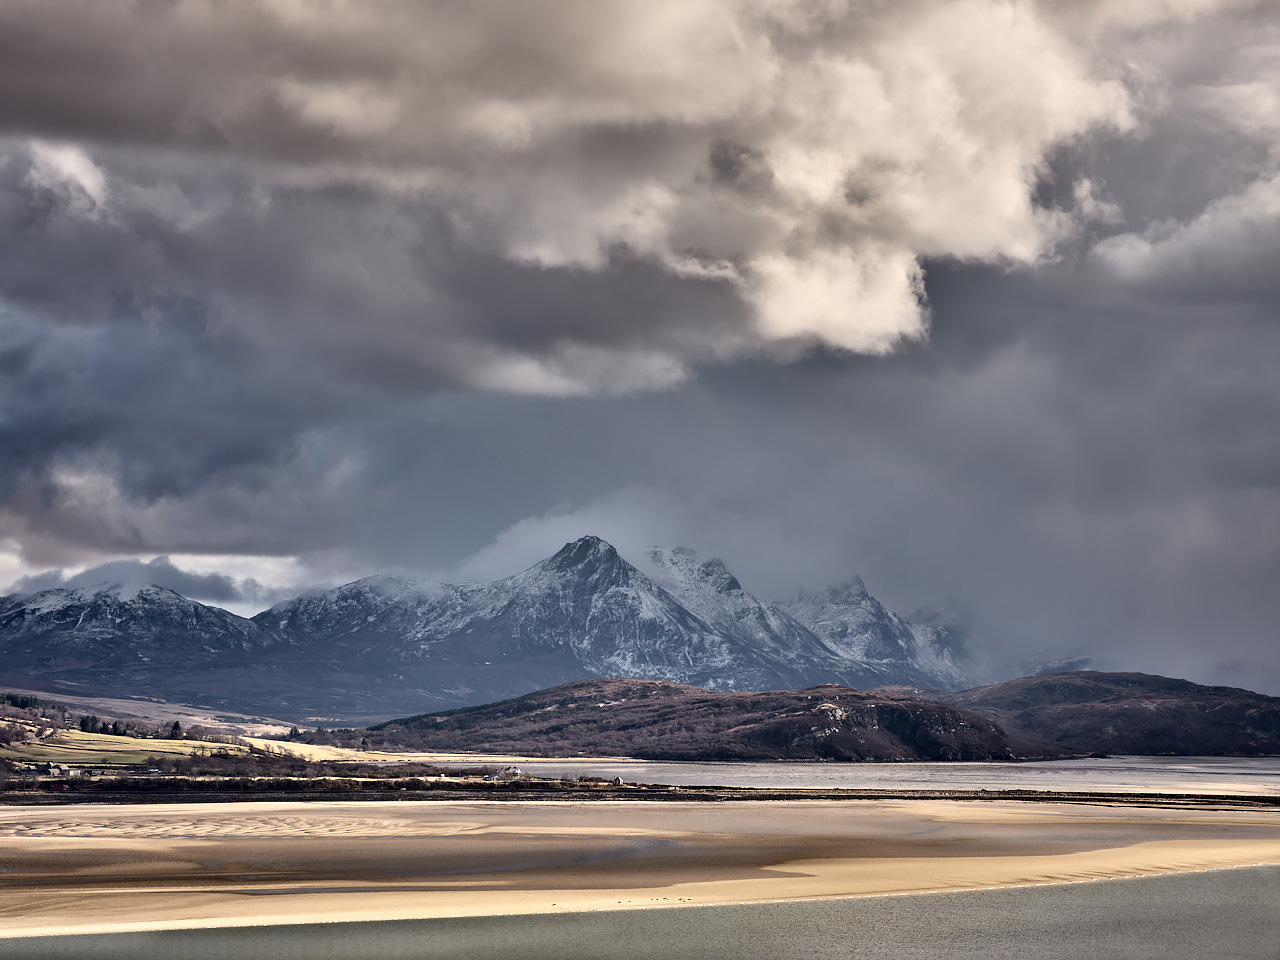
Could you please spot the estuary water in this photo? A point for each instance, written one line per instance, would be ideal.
(1222, 775)
(1216, 915)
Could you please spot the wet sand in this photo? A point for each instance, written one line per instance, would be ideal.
(79, 869)
(1220, 914)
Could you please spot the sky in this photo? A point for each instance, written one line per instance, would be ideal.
(977, 299)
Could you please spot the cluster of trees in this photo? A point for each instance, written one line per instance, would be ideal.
(25, 708)
(22, 701)
(29, 709)
(320, 737)
(149, 731)
(91, 724)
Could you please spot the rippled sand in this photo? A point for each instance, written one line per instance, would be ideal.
(82, 868)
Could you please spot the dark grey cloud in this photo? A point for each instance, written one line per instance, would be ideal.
(422, 286)
(1093, 477)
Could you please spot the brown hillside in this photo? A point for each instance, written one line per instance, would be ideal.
(655, 720)
(1130, 713)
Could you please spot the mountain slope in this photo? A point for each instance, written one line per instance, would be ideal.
(1131, 713)
(71, 627)
(710, 591)
(135, 639)
(657, 720)
(582, 612)
(877, 645)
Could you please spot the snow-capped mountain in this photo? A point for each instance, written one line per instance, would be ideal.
(91, 624)
(584, 612)
(854, 652)
(858, 629)
(709, 590)
(386, 645)
(139, 639)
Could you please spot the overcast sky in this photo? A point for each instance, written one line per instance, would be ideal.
(977, 299)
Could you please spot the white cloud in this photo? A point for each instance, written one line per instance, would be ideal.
(68, 171)
(810, 156)
(1234, 241)
(863, 300)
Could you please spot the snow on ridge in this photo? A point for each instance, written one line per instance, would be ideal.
(57, 598)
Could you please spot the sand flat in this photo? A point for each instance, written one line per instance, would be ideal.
(83, 868)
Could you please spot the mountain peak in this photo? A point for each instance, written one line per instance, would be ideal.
(715, 572)
(851, 591)
(586, 551)
(681, 563)
(122, 591)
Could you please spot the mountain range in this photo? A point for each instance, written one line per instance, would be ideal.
(383, 645)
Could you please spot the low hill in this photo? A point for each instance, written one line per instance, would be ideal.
(1133, 713)
(669, 721)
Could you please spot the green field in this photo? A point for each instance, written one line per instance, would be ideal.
(77, 749)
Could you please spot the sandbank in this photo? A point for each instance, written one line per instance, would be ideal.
(86, 868)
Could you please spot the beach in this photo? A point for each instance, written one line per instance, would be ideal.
(80, 869)
(1219, 914)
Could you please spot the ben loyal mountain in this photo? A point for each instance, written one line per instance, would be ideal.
(384, 645)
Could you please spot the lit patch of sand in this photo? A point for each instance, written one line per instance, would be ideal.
(98, 868)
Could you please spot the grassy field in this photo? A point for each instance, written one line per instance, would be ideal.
(74, 748)
(159, 712)
(339, 754)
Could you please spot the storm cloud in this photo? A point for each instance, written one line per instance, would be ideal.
(804, 156)
(974, 298)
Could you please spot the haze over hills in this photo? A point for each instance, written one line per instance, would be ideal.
(383, 645)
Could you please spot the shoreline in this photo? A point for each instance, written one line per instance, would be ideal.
(143, 792)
